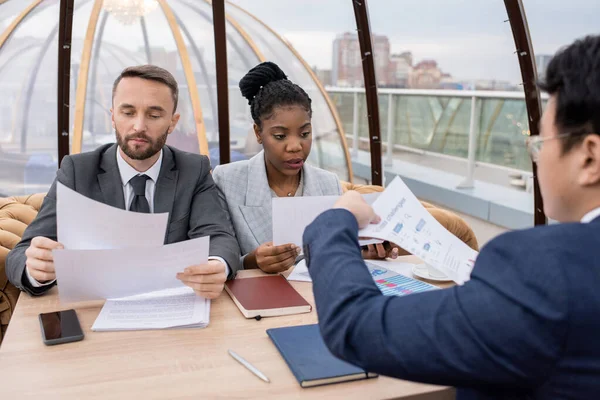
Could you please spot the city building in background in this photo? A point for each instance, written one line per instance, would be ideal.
(425, 75)
(391, 70)
(347, 60)
(401, 67)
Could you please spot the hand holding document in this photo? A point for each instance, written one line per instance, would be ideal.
(300, 273)
(291, 216)
(405, 222)
(114, 254)
(107, 274)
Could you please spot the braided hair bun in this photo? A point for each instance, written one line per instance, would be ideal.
(266, 87)
(258, 77)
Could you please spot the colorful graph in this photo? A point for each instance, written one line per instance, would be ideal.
(400, 285)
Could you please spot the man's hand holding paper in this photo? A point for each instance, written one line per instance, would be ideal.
(207, 280)
(40, 262)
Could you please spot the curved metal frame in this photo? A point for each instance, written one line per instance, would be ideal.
(533, 101)
(31, 83)
(247, 38)
(330, 104)
(208, 18)
(238, 28)
(220, 38)
(189, 76)
(146, 42)
(361, 14)
(18, 19)
(94, 72)
(8, 32)
(200, 59)
(63, 82)
(82, 80)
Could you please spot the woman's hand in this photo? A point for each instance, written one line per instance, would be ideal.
(272, 259)
(380, 251)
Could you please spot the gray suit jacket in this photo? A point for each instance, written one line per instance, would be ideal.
(248, 195)
(185, 189)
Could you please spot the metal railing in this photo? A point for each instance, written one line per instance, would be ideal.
(494, 135)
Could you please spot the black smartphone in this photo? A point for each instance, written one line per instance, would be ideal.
(386, 245)
(60, 327)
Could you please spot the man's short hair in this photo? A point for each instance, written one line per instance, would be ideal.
(573, 75)
(151, 73)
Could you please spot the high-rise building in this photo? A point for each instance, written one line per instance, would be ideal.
(347, 60)
(400, 69)
(541, 63)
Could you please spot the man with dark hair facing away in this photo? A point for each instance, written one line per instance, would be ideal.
(526, 325)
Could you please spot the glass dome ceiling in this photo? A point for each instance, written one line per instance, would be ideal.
(107, 37)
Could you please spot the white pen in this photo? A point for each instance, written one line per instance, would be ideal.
(246, 364)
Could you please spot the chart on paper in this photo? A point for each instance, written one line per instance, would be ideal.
(393, 284)
(405, 222)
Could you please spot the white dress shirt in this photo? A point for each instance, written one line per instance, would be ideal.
(590, 216)
(127, 172)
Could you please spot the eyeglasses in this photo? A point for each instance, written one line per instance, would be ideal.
(534, 144)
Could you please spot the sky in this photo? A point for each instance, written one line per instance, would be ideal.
(468, 38)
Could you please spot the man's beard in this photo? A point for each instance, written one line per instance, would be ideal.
(140, 153)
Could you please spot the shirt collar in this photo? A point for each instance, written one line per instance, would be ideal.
(127, 171)
(590, 216)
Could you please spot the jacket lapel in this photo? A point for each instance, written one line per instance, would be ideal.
(164, 195)
(109, 179)
(310, 182)
(257, 208)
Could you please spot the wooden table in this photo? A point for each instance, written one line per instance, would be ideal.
(178, 363)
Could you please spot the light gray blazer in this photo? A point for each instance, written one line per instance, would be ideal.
(248, 195)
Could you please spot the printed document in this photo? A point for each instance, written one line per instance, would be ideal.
(107, 274)
(300, 272)
(291, 216)
(405, 222)
(86, 224)
(171, 308)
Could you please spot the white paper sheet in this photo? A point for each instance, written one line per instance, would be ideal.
(86, 224)
(171, 308)
(300, 273)
(291, 216)
(407, 223)
(105, 274)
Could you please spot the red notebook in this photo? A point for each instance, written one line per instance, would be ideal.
(266, 296)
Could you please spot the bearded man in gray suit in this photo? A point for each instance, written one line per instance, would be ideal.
(138, 173)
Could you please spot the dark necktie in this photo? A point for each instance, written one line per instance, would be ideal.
(139, 202)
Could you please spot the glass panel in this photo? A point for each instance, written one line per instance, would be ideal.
(434, 58)
(196, 18)
(28, 143)
(111, 54)
(328, 151)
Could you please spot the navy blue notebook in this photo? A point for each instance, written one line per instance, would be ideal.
(310, 360)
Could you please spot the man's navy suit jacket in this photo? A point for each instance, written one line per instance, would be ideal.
(527, 324)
